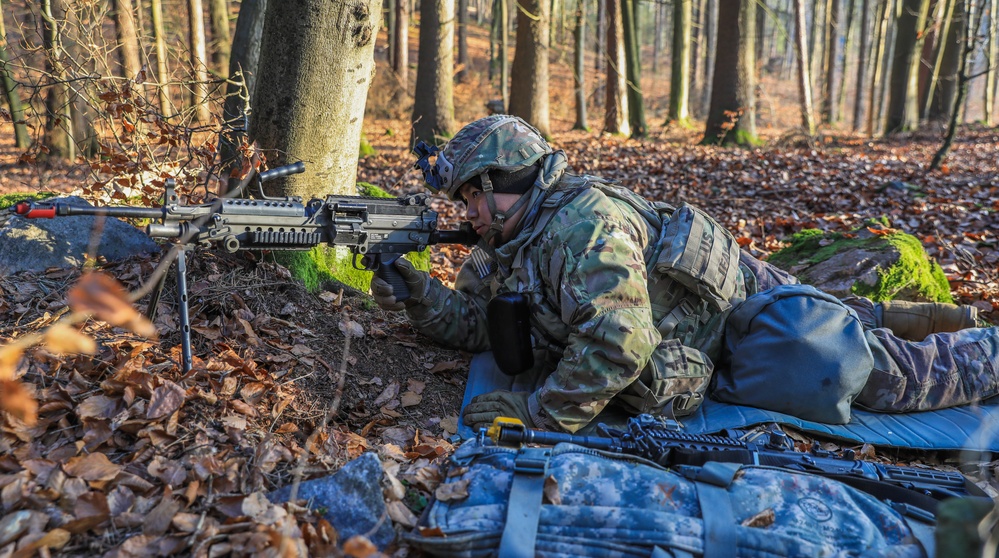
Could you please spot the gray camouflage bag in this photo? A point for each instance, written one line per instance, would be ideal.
(573, 501)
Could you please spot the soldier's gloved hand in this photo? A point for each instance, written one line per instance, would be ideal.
(416, 282)
(484, 408)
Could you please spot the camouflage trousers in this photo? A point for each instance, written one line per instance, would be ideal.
(943, 370)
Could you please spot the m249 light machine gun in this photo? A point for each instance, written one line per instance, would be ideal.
(377, 230)
(910, 490)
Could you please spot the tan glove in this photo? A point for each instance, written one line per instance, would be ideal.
(415, 280)
(481, 411)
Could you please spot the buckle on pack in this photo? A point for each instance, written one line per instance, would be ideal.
(532, 461)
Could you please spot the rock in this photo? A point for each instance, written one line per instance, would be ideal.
(875, 261)
(351, 500)
(38, 244)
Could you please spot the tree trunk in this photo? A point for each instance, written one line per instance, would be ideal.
(504, 15)
(221, 40)
(317, 61)
(831, 61)
(199, 61)
(21, 138)
(616, 119)
(903, 98)
(433, 109)
(710, 56)
(128, 41)
(879, 63)
(633, 69)
(839, 92)
(529, 78)
(400, 57)
(601, 44)
(945, 37)
(858, 106)
(463, 60)
(804, 82)
(243, 63)
(58, 106)
(679, 89)
(162, 75)
(967, 48)
(993, 60)
(732, 114)
(579, 67)
(945, 93)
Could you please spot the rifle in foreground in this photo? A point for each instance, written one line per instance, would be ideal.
(376, 230)
(911, 491)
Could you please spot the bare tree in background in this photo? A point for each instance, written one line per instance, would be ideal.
(198, 60)
(529, 74)
(579, 67)
(400, 44)
(616, 101)
(732, 114)
(903, 97)
(679, 91)
(128, 40)
(162, 74)
(221, 41)
(804, 81)
(433, 108)
(21, 138)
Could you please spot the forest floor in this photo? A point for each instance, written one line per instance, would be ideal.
(131, 456)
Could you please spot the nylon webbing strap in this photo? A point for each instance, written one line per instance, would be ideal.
(716, 507)
(524, 507)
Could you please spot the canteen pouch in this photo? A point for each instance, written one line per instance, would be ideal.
(509, 325)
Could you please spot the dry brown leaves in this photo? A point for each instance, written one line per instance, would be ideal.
(107, 447)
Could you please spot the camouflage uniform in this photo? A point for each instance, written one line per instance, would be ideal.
(588, 255)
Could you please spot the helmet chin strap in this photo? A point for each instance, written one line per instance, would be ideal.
(499, 217)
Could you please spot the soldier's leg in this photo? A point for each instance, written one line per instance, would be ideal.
(944, 370)
(913, 320)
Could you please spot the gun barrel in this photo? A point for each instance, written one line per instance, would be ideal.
(63, 209)
(544, 438)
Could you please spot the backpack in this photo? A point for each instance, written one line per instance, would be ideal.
(796, 350)
(573, 501)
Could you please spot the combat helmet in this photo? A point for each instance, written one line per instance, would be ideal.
(499, 142)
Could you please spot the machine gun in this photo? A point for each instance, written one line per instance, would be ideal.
(377, 230)
(911, 491)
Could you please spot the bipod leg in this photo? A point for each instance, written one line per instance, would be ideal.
(185, 318)
(154, 296)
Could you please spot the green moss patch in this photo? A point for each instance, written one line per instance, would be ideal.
(914, 270)
(324, 265)
(7, 200)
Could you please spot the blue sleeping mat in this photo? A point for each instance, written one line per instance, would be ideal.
(971, 427)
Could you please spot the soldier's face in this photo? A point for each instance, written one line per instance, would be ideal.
(477, 210)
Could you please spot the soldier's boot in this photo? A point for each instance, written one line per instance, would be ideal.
(915, 320)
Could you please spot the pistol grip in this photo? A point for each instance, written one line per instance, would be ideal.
(385, 269)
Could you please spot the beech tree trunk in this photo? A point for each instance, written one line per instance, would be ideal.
(945, 93)
(579, 67)
(58, 106)
(945, 39)
(162, 74)
(243, 62)
(903, 97)
(128, 41)
(316, 64)
(433, 109)
(529, 76)
(199, 61)
(463, 59)
(679, 89)
(221, 39)
(858, 106)
(993, 62)
(732, 114)
(616, 101)
(21, 138)
(400, 44)
(829, 114)
(804, 82)
(633, 69)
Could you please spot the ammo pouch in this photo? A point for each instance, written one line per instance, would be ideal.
(672, 384)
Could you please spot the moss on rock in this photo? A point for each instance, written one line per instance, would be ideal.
(912, 271)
